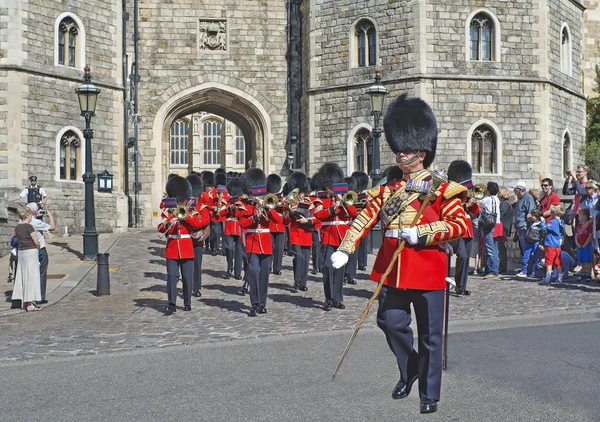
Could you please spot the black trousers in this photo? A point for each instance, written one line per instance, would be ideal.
(351, 266)
(502, 257)
(216, 229)
(462, 249)
(300, 262)
(43, 257)
(258, 273)
(278, 242)
(394, 318)
(362, 250)
(187, 273)
(234, 253)
(316, 250)
(198, 266)
(333, 279)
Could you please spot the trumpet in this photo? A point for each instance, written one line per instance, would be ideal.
(270, 201)
(350, 198)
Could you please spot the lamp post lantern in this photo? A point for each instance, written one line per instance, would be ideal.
(88, 95)
(377, 95)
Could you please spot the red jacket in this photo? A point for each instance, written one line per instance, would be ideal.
(232, 225)
(204, 215)
(277, 227)
(257, 235)
(214, 204)
(301, 234)
(179, 241)
(472, 210)
(335, 222)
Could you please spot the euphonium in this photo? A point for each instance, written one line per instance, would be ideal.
(350, 198)
(292, 199)
(270, 201)
(479, 191)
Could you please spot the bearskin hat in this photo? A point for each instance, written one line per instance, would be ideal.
(285, 189)
(252, 177)
(220, 179)
(362, 180)
(274, 183)
(410, 125)
(460, 171)
(179, 188)
(297, 180)
(171, 175)
(393, 173)
(220, 170)
(208, 178)
(315, 182)
(352, 185)
(197, 185)
(331, 173)
(234, 187)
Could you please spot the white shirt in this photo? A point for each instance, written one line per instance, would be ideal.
(39, 226)
(25, 192)
(490, 201)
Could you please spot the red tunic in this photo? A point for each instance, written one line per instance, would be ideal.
(232, 225)
(336, 224)
(257, 235)
(216, 205)
(179, 241)
(300, 234)
(277, 227)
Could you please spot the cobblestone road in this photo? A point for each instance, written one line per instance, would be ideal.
(130, 318)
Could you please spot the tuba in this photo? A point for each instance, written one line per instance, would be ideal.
(349, 198)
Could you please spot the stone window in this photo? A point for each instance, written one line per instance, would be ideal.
(566, 153)
(481, 38)
(364, 44)
(363, 151)
(179, 142)
(68, 39)
(69, 156)
(212, 142)
(239, 146)
(483, 150)
(565, 50)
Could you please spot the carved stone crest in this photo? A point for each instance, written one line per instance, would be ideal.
(213, 35)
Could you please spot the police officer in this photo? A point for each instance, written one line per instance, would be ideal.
(34, 193)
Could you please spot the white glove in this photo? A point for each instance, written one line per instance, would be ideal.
(339, 259)
(410, 234)
(446, 247)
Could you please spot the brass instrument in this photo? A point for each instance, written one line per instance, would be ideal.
(478, 191)
(350, 198)
(292, 200)
(270, 201)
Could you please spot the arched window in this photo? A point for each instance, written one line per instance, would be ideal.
(363, 151)
(565, 50)
(483, 150)
(212, 142)
(365, 42)
(68, 38)
(566, 158)
(481, 37)
(179, 142)
(239, 146)
(69, 156)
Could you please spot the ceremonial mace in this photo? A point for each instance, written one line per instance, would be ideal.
(438, 177)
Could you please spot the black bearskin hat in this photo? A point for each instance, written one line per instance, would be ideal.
(274, 183)
(220, 179)
(197, 185)
(220, 170)
(297, 180)
(315, 182)
(285, 189)
(252, 177)
(352, 185)
(410, 125)
(393, 173)
(234, 187)
(330, 174)
(362, 180)
(208, 178)
(459, 171)
(179, 188)
(171, 175)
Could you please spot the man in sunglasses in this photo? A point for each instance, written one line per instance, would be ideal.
(549, 198)
(576, 185)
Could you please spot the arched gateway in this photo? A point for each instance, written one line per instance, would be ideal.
(223, 96)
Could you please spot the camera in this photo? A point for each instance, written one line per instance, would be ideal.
(42, 212)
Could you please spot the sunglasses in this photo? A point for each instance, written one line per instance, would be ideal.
(545, 186)
(590, 187)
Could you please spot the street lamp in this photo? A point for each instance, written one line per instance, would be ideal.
(88, 95)
(377, 95)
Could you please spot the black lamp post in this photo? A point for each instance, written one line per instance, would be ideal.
(88, 95)
(377, 95)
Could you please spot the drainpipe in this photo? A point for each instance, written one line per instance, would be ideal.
(126, 109)
(136, 119)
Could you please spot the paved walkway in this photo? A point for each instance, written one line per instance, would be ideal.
(130, 318)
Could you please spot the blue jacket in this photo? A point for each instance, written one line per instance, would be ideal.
(523, 207)
(554, 229)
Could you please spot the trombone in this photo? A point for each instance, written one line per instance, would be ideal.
(350, 198)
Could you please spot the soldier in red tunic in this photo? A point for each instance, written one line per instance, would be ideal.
(315, 187)
(179, 251)
(351, 266)
(198, 236)
(274, 184)
(335, 219)
(418, 276)
(232, 242)
(362, 184)
(255, 218)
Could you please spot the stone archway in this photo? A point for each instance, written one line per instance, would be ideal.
(238, 103)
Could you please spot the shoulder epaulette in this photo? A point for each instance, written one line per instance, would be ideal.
(456, 190)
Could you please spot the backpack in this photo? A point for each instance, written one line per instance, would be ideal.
(487, 219)
(534, 234)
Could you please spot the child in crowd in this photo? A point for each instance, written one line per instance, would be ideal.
(534, 240)
(583, 240)
(552, 242)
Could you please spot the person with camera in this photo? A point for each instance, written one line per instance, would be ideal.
(576, 185)
(40, 228)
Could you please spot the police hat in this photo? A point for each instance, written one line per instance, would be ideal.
(33, 178)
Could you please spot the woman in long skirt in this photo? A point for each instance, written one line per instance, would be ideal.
(27, 279)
